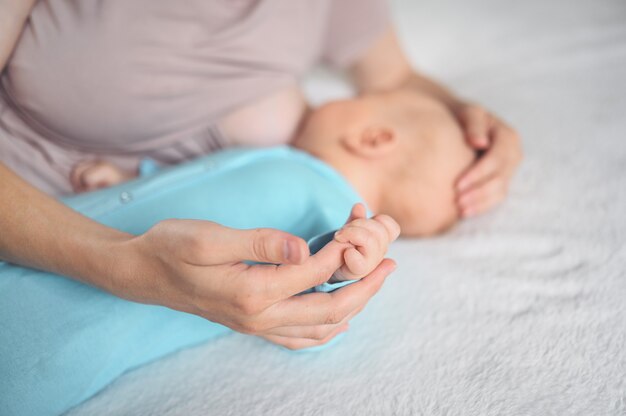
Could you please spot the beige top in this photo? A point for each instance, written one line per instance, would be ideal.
(126, 79)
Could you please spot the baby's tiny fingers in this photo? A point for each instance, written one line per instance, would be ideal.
(355, 262)
(391, 226)
(358, 236)
(375, 227)
(358, 211)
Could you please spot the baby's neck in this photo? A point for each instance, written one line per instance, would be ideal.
(359, 175)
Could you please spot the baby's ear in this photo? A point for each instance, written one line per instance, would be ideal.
(372, 142)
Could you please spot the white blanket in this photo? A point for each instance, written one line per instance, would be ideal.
(519, 312)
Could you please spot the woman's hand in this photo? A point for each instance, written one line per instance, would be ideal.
(486, 183)
(196, 267)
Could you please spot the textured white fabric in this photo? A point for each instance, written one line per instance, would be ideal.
(520, 312)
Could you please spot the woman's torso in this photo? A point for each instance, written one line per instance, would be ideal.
(124, 79)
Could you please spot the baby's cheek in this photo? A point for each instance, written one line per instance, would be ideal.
(432, 217)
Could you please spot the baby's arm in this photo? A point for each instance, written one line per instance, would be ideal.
(367, 239)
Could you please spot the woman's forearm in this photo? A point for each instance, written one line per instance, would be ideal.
(385, 67)
(35, 229)
(38, 231)
(13, 15)
(434, 89)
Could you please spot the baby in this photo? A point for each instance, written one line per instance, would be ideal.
(401, 151)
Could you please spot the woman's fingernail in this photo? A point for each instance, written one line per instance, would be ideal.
(291, 251)
(286, 250)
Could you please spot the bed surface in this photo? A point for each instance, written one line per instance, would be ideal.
(519, 312)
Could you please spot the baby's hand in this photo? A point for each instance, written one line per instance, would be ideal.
(97, 174)
(369, 240)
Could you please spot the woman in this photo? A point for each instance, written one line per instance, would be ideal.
(119, 81)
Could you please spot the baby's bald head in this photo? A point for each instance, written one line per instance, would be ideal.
(402, 151)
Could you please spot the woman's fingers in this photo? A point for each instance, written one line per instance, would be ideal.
(315, 332)
(326, 308)
(271, 246)
(486, 132)
(481, 198)
(301, 343)
(486, 183)
(255, 317)
(214, 244)
(487, 166)
(476, 123)
(278, 283)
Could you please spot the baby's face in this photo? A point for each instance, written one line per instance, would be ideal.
(430, 157)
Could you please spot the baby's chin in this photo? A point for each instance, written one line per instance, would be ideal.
(428, 212)
(428, 229)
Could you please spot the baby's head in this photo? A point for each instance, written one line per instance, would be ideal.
(403, 152)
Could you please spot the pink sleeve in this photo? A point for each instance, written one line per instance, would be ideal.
(352, 27)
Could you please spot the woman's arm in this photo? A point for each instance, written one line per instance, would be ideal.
(384, 66)
(13, 15)
(40, 232)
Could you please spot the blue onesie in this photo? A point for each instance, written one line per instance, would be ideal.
(62, 341)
